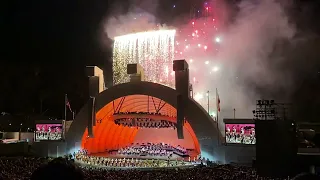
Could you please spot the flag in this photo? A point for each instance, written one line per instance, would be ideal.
(68, 104)
(218, 100)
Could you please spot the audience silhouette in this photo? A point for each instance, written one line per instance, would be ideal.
(306, 176)
(58, 169)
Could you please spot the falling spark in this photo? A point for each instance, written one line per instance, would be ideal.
(153, 50)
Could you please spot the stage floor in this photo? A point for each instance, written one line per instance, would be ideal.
(115, 154)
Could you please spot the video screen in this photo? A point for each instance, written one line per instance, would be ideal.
(240, 133)
(48, 131)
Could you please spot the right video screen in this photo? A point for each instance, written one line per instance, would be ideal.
(240, 134)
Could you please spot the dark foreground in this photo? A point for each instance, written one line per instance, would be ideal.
(59, 169)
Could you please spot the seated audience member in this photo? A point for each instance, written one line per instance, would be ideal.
(58, 169)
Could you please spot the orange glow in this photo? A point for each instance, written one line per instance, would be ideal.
(109, 136)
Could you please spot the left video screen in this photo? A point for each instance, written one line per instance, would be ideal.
(48, 132)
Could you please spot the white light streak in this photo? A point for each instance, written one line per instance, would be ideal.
(166, 70)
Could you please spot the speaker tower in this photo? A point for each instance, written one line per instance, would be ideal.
(276, 148)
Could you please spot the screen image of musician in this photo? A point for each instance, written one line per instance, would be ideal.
(48, 131)
(240, 133)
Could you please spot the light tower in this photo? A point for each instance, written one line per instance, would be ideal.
(276, 146)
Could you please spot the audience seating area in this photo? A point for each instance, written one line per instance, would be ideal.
(23, 168)
(127, 162)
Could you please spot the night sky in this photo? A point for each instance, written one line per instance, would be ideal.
(45, 46)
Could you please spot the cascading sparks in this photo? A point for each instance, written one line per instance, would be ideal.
(153, 50)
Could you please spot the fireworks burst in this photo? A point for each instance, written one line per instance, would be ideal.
(153, 50)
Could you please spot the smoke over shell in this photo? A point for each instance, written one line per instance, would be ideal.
(248, 54)
(247, 57)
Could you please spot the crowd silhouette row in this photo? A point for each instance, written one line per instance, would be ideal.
(24, 168)
(128, 162)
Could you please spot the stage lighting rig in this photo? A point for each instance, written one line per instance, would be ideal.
(269, 110)
(265, 110)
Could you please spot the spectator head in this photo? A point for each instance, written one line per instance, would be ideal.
(58, 169)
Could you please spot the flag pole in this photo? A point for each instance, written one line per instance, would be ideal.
(217, 99)
(208, 102)
(65, 107)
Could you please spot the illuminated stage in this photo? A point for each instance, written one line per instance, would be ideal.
(199, 129)
(108, 139)
(133, 97)
(140, 112)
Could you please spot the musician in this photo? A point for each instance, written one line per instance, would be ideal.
(253, 136)
(49, 133)
(58, 132)
(43, 132)
(234, 130)
(242, 131)
(253, 132)
(228, 130)
(242, 135)
(38, 132)
(234, 133)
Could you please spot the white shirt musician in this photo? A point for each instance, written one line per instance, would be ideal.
(234, 130)
(43, 132)
(253, 132)
(228, 130)
(38, 132)
(242, 131)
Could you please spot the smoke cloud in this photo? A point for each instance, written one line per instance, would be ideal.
(136, 19)
(130, 23)
(249, 57)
